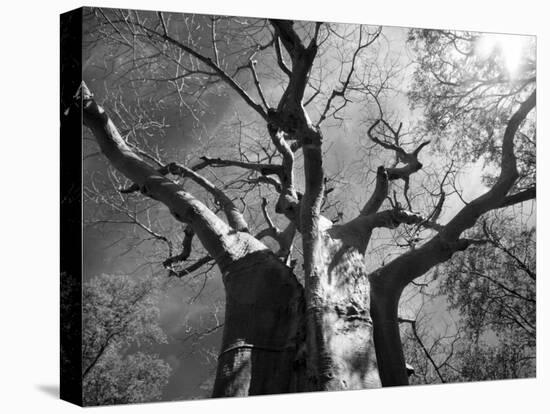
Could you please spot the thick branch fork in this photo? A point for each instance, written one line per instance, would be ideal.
(410, 159)
(357, 232)
(283, 237)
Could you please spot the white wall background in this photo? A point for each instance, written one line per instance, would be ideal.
(29, 211)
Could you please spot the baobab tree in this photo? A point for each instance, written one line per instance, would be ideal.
(317, 311)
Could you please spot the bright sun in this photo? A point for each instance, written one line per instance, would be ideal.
(508, 47)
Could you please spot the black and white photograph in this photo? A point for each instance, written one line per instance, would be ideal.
(303, 210)
(275, 206)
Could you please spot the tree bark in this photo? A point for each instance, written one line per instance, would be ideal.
(339, 343)
(262, 330)
(387, 338)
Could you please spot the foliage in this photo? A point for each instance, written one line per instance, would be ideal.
(120, 318)
(467, 84)
(491, 289)
(493, 285)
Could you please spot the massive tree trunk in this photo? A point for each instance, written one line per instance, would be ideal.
(262, 330)
(267, 347)
(340, 344)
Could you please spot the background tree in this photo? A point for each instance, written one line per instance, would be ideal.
(490, 291)
(468, 84)
(120, 319)
(334, 324)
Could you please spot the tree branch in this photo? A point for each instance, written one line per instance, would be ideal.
(233, 214)
(219, 239)
(280, 59)
(495, 241)
(424, 349)
(186, 249)
(290, 115)
(191, 268)
(410, 159)
(284, 238)
(496, 196)
(264, 169)
(379, 195)
(211, 64)
(342, 91)
(252, 66)
(266, 214)
(407, 267)
(357, 232)
(519, 197)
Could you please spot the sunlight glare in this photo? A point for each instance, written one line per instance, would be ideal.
(508, 47)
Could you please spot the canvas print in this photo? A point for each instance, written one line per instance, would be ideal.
(255, 206)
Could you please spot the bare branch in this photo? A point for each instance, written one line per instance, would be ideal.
(345, 84)
(284, 238)
(357, 232)
(496, 196)
(407, 267)
(214, 45)
(135, 187)
(424, 349)
(266, 180)
(163, 23)
(211, 64)
(186, 249)
(519, 197)
(379, 195)
(234, 216)
(191, 268)
(287, 203)
(412, 164)
(252, 66)
(290, 115)
(264, 169)
(266, 214)
(280, 59)
(495, 241)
